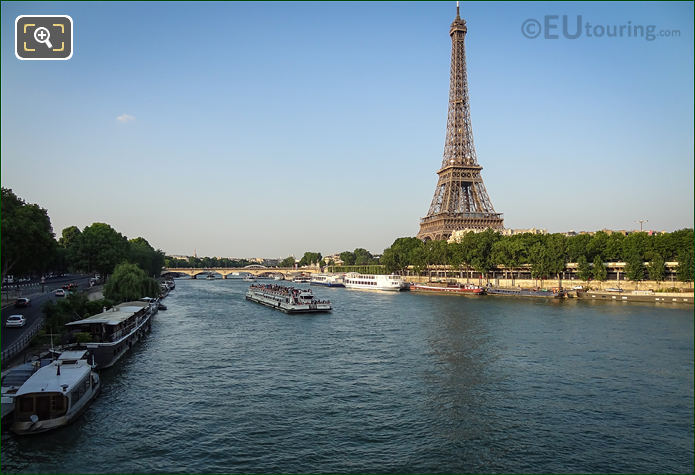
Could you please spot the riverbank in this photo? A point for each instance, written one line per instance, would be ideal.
(626, 285)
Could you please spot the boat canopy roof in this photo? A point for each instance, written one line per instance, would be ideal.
(47, 378)
(72, 355)
(114, 315)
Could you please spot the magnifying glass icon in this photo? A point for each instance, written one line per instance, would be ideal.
(42, 35)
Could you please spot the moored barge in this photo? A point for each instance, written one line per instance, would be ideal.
(114, 331)
(451, 288)
(553, 293)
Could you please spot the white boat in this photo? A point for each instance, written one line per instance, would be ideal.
(278, 277)
(353, 280)
(13, 379)
(328, 280)
(287, 299)
(302, 279)
(250, 278)
(56, 394)
(114, 331)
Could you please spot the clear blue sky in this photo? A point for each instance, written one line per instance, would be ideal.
(268, 129)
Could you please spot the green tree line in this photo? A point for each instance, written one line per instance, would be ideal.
(204, 262)
(548, 254)
(29, 246)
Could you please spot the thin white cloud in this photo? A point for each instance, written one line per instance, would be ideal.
(123, 118)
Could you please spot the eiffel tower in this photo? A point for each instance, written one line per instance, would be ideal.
(460, 200)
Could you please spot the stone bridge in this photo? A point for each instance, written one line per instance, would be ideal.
(256, 270)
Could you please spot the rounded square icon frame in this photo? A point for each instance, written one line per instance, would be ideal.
(72, 39)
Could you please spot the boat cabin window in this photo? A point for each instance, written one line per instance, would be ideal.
(57, 403)
(26, 404)
(79, 390)
(44, 405)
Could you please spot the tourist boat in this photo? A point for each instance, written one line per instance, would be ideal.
(210, 277)
(278, 277)
(287, 299)
(114, 331)
(454, 288)
(56, 394)
(250, 278)
(353, 280)
(302, 279)
(327, 280)
(554, 293)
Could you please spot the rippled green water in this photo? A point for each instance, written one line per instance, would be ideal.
(387, 383)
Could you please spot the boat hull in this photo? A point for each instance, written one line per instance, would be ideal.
(526, 293)
(448, 290)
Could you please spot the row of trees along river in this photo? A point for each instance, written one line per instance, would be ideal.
(29, 248)
(359, 257)
(548, 254)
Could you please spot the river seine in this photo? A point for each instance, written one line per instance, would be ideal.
(387, 383)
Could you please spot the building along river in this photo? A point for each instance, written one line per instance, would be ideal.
(388, 382)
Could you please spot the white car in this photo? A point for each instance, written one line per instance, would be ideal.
(60, 293)
(15, 321)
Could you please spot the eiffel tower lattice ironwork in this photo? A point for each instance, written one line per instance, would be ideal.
(460, 200)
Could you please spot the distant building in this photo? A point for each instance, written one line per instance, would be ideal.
(335, 258)
(512, 232)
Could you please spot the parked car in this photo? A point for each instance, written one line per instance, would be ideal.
(60, 293)
(22, 302)
(15, 321)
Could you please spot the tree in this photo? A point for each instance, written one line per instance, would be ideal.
(310, 258)
(656, 268)
(400, 255)
(556, 245)
(363, 257)
(287, 262)
(482, 250)
(100, 248)
(637, 244)
(686, 267)
(584, 268)
(348, 258)
(597, 245)
(509, 253)
(541, 265)
(69, 236)
(129, 282)
(141, 253)
(578, 246)
(634, 267)
(600, 271)
(28, 243)
(614, 248)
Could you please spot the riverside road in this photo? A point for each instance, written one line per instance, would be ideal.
(33, 312)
